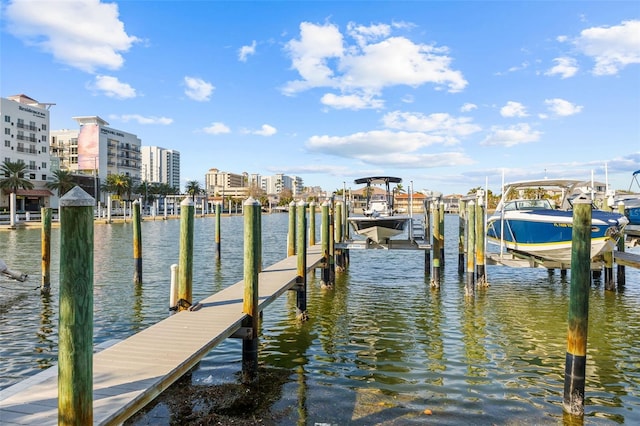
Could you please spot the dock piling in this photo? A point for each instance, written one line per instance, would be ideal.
(301, 246)
(324, 240)
(137, 244)
(173, 289)
(575, 364)
(185, 263)
(291, 235)
(45, 217)
(312, 224)
(250, 299)
(471, 248)
(75, 323)
(435, 275)
(481, 278)
(339, 259)
(461, 218)
(620, 269)
(217, 237)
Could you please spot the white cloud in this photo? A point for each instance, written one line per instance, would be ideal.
(246, 51)
(446, 128)
(511, 136)
(513, 109)
(564, 67)
(142, 119)
(217, 128)
(84, 34)
(355, 101)
(612, 48)
(468, 107)
(265, 130)
(376, 60)
(562, 108)
(112, 87)
(198, 89)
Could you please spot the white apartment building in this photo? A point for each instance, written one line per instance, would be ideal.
(276, 183)
(160, 165)
(25, 131)
(226, 184)
(95, 149)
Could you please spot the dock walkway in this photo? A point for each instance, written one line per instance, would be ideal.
(131, 373)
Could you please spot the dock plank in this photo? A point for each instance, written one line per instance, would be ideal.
(131, 373)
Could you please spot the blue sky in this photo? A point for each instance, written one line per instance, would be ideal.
(443, 94)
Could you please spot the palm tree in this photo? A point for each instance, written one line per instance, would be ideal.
(193, 189)
(13, 179)
(119, 184)
(62, 183)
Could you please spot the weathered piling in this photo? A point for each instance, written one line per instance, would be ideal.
(441, 212)
(137, 244)
(45, 218)
(435, 275)
(461, 218)
(332, 243)
(250, 300)
(75, 323)
(185, 262)
(324, 240)
(339, 259)
(575, 364)
(427, 237)
(609, 282)
(291, 235)
(217, 237)
(620, 269)
(109, 202)
(471, 247)
(481, 279)
(312, 224)
(301, 247)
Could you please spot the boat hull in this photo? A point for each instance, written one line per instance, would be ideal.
(547, 234)
(379, 229)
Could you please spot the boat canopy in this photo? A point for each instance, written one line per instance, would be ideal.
(377, 180)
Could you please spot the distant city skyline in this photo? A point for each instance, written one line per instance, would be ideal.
(445, 95)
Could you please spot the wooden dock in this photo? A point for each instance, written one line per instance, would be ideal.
(131, 373)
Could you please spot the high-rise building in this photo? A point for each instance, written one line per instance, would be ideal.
(25, 131)
(225, 183)
(160, 165)
(95, 149)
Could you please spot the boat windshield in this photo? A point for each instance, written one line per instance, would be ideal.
(528, 205)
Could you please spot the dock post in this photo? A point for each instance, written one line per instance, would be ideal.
(481, 279)
(461, 215)
(471, 247)
(620, 270)
(173, 289)
(109, 209)
(609, 283)
(435, 275)
(301, 246)
(441, 211)
(45, 217)
(427, 237)
(332, 243)
(185, 263)
(312, 224)
(250, 299)
(324, 280)
(217, 237)
(75, 324)
(575, 364)
(137, 244)
(339, 262)
(291, 236)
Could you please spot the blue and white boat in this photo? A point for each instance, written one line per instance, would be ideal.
(631, 201)
(534, 219)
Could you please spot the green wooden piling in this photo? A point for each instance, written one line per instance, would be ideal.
(137, 244)
(217, 237)
(324, 239)
(45, 217)
(620, 272)
(575, 364)
(471, 247)
(301, 246)
(185, 262)
(332, 243)
(312, 224)
(291, 235)
(481, 279)
(250, 300)
(435, 275)
(461, 219)
(339, 260)
(75, 323)
(441, 211)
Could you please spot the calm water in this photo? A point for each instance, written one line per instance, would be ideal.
(379, 348)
